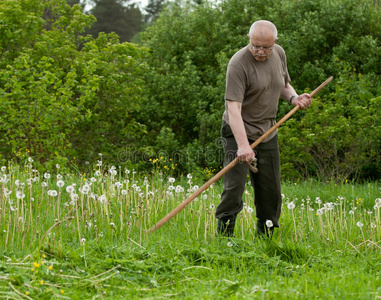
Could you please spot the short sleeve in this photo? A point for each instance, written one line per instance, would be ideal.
(235, 83)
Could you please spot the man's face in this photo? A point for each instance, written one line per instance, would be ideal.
(261, 44)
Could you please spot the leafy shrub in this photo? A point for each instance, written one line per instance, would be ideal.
(190, 48)
(63, 95)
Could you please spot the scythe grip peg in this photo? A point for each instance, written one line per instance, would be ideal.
(253, 166)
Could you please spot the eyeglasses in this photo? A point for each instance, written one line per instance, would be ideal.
(257, 48)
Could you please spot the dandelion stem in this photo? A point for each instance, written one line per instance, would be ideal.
(54, 225)
(18, 292)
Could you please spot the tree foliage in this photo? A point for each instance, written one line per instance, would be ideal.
(116, 16)
(190, 48)
(57, 101)
(153, 9)
(64, 94)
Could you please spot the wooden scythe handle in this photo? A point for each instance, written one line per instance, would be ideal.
(230, 165)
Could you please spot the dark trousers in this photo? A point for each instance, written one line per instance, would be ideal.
(266, 183)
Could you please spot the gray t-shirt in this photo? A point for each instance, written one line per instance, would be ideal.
(257, 85)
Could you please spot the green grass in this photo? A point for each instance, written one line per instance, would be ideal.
(96, 244)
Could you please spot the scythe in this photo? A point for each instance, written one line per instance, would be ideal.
(230, 166)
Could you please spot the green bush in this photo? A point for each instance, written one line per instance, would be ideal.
(191, 46)
(63, 95)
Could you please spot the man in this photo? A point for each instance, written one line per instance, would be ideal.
(256, 78)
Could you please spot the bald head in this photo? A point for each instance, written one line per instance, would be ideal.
(263, 28)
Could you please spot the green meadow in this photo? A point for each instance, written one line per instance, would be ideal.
(85, 236)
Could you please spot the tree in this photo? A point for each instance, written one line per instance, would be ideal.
(73, 2)
(191, 46)
(153, 10)
(113, 16)
(56, 101)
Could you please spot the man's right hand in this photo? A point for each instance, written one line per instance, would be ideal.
(245, 153)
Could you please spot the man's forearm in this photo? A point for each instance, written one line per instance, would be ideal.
(287, 92)
(236, 124)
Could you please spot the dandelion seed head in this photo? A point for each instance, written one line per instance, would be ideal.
(291, 205)
(60, 183)
(229, 244)
(250, 210)
(359, 224)
(102, 199)
(46, 175)
(52, 193)
(74, 197)
(179, 189)
(329, 206)
(320, 212)
(6, 192)
(269, 223)
(20, 195)
(85, 189)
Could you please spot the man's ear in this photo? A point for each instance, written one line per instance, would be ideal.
(248, 37)
(276, 40)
